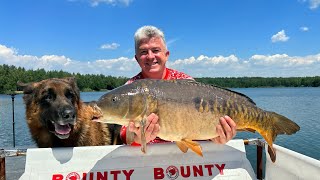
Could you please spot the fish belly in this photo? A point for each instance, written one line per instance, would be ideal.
(183, 121)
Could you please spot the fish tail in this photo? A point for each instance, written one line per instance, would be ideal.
(277, 124)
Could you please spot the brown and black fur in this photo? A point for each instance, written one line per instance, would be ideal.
(55, 103)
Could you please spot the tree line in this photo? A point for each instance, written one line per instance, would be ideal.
(10, 75)
(246, 82)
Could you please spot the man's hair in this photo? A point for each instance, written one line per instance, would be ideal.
(147, 32)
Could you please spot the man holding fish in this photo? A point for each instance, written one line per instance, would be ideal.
(152, 55)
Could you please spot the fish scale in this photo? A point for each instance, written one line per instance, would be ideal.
(189, 111)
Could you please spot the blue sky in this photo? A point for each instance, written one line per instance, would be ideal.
(206, 38)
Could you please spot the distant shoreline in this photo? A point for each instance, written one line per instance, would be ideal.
(105, 90)
(98, 82)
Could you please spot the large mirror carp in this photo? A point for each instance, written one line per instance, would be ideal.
(189, 111)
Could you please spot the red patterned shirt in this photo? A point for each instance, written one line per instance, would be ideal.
(170, 74)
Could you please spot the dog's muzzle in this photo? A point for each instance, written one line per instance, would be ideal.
(63, 126)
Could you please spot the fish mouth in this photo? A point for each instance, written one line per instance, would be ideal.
(97, 118)
(61, 130)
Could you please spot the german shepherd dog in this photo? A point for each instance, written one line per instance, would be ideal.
(58, 118)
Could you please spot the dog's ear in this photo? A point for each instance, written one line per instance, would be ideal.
(27, 87)
(28, 91)
(73, 82)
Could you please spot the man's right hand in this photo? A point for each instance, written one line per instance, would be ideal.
(152, 129)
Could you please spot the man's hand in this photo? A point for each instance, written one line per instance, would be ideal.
(152, 129)
(226, 130)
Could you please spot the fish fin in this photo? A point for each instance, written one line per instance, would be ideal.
(280, 125)
(194, 146)
(143, 136)
(182, 146)
(190, 81)
(269, 137)
(129, 136)
(272, 153)
(247, 130)
(284, 125)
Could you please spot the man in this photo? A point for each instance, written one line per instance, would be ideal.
(152, 55)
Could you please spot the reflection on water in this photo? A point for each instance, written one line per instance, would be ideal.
(301, 105)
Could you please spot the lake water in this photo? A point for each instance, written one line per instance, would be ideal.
(301, 105)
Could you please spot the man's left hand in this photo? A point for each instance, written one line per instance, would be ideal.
(226, 130)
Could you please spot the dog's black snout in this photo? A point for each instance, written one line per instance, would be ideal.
(68, 114)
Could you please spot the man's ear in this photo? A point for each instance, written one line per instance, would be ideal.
(135, 56)
(167, 53)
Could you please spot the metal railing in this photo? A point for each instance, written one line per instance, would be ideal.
(8, 153)
(260, 146)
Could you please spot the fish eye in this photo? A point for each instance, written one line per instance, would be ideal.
(114, 99)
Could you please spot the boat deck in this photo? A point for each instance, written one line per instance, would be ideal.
(162, 161)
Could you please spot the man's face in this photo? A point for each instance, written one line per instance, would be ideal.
(152, 56)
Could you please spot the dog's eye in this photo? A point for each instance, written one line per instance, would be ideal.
(69, 95)
(48, 97)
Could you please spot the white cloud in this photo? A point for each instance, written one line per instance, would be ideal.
(257, 65)
(203, 66)
(110, 2)
(205, 60)
(171, 41)
(110, 46)
(283, 60)
(314, 4)
(280, 36)
(304, 28)
(95, 3)
(115, 67)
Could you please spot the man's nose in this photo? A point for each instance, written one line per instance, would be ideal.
(150, 54)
